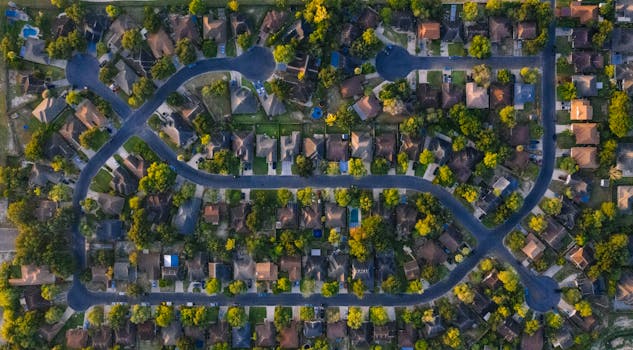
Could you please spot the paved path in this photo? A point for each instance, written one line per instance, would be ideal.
(257, 64)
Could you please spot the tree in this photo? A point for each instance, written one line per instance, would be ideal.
(305, 196)
(232, 5)
(490, 160)
(342, 196)
(284, 196)
(132, 39)
(551, 206)
(140, 314)
(366, 45)
(356, 167)
(378, 315)
(245, 40)
(619, 114)
(186, 51)
(53, 314)
(566, 91)
(452, 338)
(529, 75)
(445, 176)
(284, 53)
(531, 326)
(390, 285)
(329, 289)
(379, 166)
(421, 344)
(118, 315)
(537, 223)
(283, 316)
(34, 150)
(59, 3)
(358, 250)
(504, 76)
(283, 285)
(553, 320)
(334, 238)
(328, 76)
(479, 47)
(470, 11)
(74, 97)
(59, 193)
(464, 293)
(358, 288)
(143, 88)
(346, 119)
(426, 157)
(584, 308)
(467, 192)
(197, 7)
(303, 166)
(306, 313)
(510, 280)
(213, 286)
(209, 48)
(236, 316)
(410, 125)
(507, 116)
(608, 209)
(76, 12)
(280, 88)
(95, 316)
(481, 75)
(568, 164)
(604, 31)
(163, 68)
(237, 287)
(609, 254)
(113, 11)
(50, 291)
(354, 317)
(151, 21)
(391, 197)
(160, 178)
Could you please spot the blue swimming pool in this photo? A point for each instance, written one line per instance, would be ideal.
(30, 32)
(354, 217)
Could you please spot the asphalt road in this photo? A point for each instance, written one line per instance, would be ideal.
(258, 64)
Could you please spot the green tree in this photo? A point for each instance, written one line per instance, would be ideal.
(467, 192)
(95, 316)
(303, 166)
(59, 193)
(140, 314)
(197, 7)
(34, 150)
(143, 88)
(306, 196)
(584, 308)
(346, 119)
(358, 288)
(479, 47)
(213, 286)
(391, 197)
(160, 178)
(531, 326)
(553, 320)
(237, 287)
(529, 75)
(445, 176)
(510, 280)
(306, 313)
(421, 344)
(356, 167)
(366, 45)
(74, 97)
(342, 196)
(233, 5)
(151, 21)
(186, 51)
(508, 116)
(504, 76)
(354, 317)
(551, 206)
(209, 48)
(568, 164)
(163, 68)
(283, 285)
(426, 157)
(245, 40)
(464, 293)
(53, 314)
(283, 316)
(284, 53)
(378, 315)
(619, 114)
(328, 76)
(284, 196)
(410, 125)
(390, 285)
(452, 338)
(236, 316)
(566, 91)
(470, 11)
(605, 28)
(481, 75)
(164, 315)
(76, 12)
(329, 289)
(132, 39)
(515, 241)
(50, 291)
(118, 315)
(113, 11)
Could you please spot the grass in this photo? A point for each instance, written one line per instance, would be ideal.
(459, 77)
(398, 38)
(419, 170)
(563, 46)
(565, 140)
(230, 49)
(272, 130)
(100, 138)
(76, 320)
(101, 182)
(218, 106)
(456, 49)
(256, 314)
(562, 117)
(287, 129)
(132, 143)
(434, 78)
(564, 68)
(434, 47)
(260, 166)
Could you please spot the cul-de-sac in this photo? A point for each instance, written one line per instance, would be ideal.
(316, 174)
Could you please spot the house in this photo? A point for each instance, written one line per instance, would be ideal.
(519, 135)
(126, 335)
(476, 96)
(624, 11)
(335, 216)
(463, 162)
(242, 100)
(94, 26)
(292, 266)
(312, 329)
(184, 27)
(76, 338)
(509, 330)
(121, 24)
(410, 144)
(482, 304)
(266, 271)
(178, 131)
(187, 216)
(429, 30)
(349, 33)
(532, 342)
(243, 145)
(336, 330)
(266, 148)
(385, 265)
(586, 62)
(102, 338)
(584, 13)
(367, 107)
(492, 281)
(406, 217)
(402, 21)
(71, 130)
(364, 271)
(109, 230)
(386, 147)
(554, 234)
(272, 23)
(271, 104)
(581, 38)
(562, 339)
(220, 271)
(63, 26)
(500, 95)
(474, 29)
(314, 147)
(157, 207)
(581, 110)
(451, 95)
(430, 252)
(141, 61)
(523, 93)
(243, 268)
(585, 157)
(369, 18)
(123, 182)
(121, 271)
(533, 248)
(265, 335)
(586, 85)
(338, 266)
(622, 40)
(41, 175)
(45, 210)
(352, 86)
(361, 144)
(125, 78)
(238, 216)
(361, 338)
(49, 109)
(171, 333)
(288, 217)
(411, 270)
(289, 146)
(171, 267)
(625, 194)
(385, 334)
(582, 257)
(624, 291)
(211, 214)
(100, 276)
(218, 333)
(32, 275)
(30, 84)
(625, 159)
(314, 267)
(241, 336)
(336, 148)
(147, 330)
(160, 44)
(219, 141)
(526, 30)
(624, 76)
(442, 150)
(34, 50)
(88, 114)
(586, 133)
(149, 264)
(451, 239)
(407, 337)
(289, 336)
(239, 24)
(298, 31)
(428, 96)
(214, 29)
(136, 165)
(500, 29)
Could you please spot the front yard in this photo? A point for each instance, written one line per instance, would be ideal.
(456, 49)
(101, 182)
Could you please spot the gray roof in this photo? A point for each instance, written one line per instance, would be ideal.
(271, 104)
(266, 148)
(241, 336)
(289, 146)
(34, 50)
(523, 93)
(243, 145)
(109, 230)
(364, 271)
(125, 78)
(625, 159)
(179, 131)
(49, 109)
(242, 100)
(187, 216)
(622, 40)
(585, 85)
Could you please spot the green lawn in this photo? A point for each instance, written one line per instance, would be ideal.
(260, 166)
(564, 68)
(76, 320)
(132, 144)
(562, 117)
(434, 47)
(456, 49)
(563, 46)
(256, 314)
(398, 38)
(459, 77)
(420, 169)
(287, 129)
(272, 130)
(565, 140)
(101, 182)
(434, 78)
(230, 49)
(99, 139)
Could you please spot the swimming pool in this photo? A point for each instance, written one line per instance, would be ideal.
(354, 218)
(29, 32)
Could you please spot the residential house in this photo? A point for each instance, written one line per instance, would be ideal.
(451, 95)
(242, 100)
(289, 146)
(407, 337)
(149, 264)
(100, 277)
(624, 11)
(385, 265)
(451, 239)
(88, 113)
(45, 210)
(109, 230)
(474, 29)
(410, 144)
(32, 275)
(509, 330)
(476, 96)
(363, 271)
(214, 29)
(500, 29)
(369, 18)
(187, 216)
(336, 330)
(586, 85)
(42, 174)
(338, 267)
(272, 23)
(243, 145)
(30, 84)
(585, 157)
(63, 26)
(292, 266)
(500, 95)
(361, 338)
(314, 267)
(142, 60)
(102, 338)
(581, 110)
(519, 135)
(582, 257)
(239, 24)
(314, 147)
(218, 333)
(266, 271)
(171, 333)
(123, 182)
(482, 304)
(586, 62)
(265, 335)
(402, 21)
(622, 40)
(266, 148)
(76, 338)
(352, 87)
(433, 328)
(238, 215)
(368, 107)
(335, 216)
(386, 147)
(532, 342)
(185, 27)
(136, 165)
(243, 268)
(624, 287)
(121, 271)
(430, 252)
(126, 336)
(385, 334)
(625, 196)
(526, 30)
(178, 131)
(554, 234)
(219, 141)
(160, 44)
(406, 218)
(584, 13)
(533, 248)
(288, 217)
(312, 329)
(442, 150)
(586, 133)
(220, 271)
(157, 207)
(125, 78)
(361, 144)
(289, 336)
(492, 281)
(411, 270)
(71, 130)
(298, 31)
(147, 331)
(625, 159)
(121, 24)
(271, 104)
(562, 339)
(95, 25)
(336, 148)
(49, 109)
(624, 76)
(429, 30)
(349, 33)
(171, 267)
(523, 93)
(463, 162)
(428, 96)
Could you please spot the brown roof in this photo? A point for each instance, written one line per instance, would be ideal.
(77, 338)
(581, 38)
(289, 336)
(352, 86)
(136, 165)
(291, 265)
(349, 33)
(500, 29)
(625, 193)
(411, 146)
(238, 218)
(214, 29)
(532, 342)
(586, 62)
(386, 146)
(451, 95)
(266, 271)
(336, 148)
(147, 330)
(311, 217)
(273, 21)
(218, 332)
(336, 330)
(526, 30)
(431, 252)
(288, 217)
(185, 27)
(581, 110)
(585, 157)
(211, 214)
(265, 335)
(518, 160)
(33, 275)
(126, 335)
(369, 18)
(584, 13)
(367, 107)
(581, 256)
(45, 210)
(428, 96)
(89, 115)
(335, 215)
(554, 233)
(150, 264)
(519, 135)
(406, 217)
(586, 133)
(429, 30)
(500, 95)
(533, 247)
(411, 269)
(160, 43)
(313, 146)
(451, 239)
(102, 338)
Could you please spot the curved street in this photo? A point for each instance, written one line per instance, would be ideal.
(258, 64)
